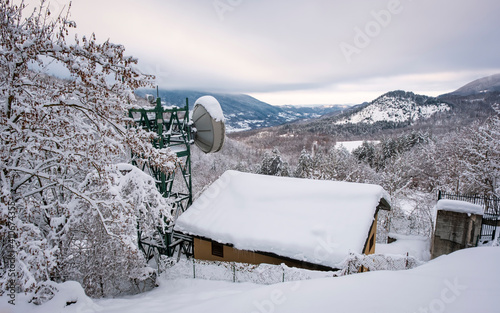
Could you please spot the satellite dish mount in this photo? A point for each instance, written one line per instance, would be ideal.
(176, 131)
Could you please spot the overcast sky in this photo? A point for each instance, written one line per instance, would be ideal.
(302, 52)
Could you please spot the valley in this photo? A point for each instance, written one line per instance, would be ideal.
(243, 112)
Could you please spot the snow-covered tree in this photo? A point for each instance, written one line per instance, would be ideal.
(103, 247)
(396, 175)
(423, 167)
(208, 167)
(274, 165)
(305, 165)
(481, 158)
(59, 139)
(339, 164)
(366, 153)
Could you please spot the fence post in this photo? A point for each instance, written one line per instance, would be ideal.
(234, 272)
(194, 270)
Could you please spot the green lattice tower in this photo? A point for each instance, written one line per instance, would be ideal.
(173, 128)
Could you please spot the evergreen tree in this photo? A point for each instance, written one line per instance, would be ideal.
(305, 166)
(366, 153)
(272, 164)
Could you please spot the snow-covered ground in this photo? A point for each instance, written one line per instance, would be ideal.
(415, 246)
(465, 281)
(353, 145)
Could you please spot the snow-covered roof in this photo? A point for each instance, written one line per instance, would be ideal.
(459, 206)
(308, 220)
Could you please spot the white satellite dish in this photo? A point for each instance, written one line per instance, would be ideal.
(208, 121)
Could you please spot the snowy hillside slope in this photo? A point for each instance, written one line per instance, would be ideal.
(464, 281)
(397, 107)
(481, 85)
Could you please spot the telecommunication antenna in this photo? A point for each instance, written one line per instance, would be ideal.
(210, 129)
(178, 132)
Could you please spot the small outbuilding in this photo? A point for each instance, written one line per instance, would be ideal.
(458, 224)
(305, 223)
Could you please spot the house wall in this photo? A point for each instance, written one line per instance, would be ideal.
(203, 251)
(372, 238)
(455, 231)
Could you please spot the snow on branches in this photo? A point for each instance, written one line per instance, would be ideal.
(59, 139)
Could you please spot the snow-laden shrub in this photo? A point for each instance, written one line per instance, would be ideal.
(100, 250)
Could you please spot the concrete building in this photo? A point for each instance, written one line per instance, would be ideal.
(458, 225)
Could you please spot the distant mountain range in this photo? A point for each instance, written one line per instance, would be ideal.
(402, 108)
(393, 110)
(397, 111)
(243, 112)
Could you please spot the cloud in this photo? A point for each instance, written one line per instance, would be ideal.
(290, 45)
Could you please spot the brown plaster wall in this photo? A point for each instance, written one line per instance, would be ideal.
(203, 251)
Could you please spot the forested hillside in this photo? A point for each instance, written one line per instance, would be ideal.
(395, 111)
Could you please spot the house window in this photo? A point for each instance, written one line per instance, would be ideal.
(217, 249)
